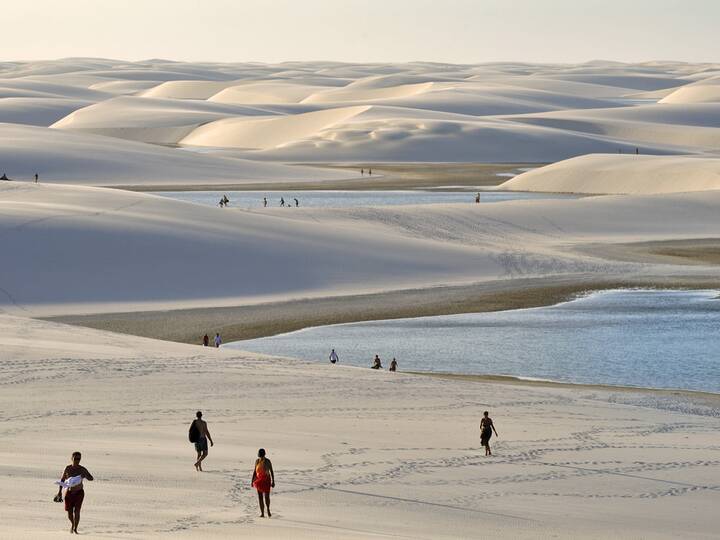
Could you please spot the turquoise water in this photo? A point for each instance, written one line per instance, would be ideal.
(655, 339)
(345, 199)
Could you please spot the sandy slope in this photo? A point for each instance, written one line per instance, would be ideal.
(357, 453)
(612, 173)
(61, 156)
(79, 249)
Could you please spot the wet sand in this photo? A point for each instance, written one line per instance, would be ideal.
(253, 321)
(388, 176)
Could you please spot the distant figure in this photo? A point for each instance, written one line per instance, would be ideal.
(4, 177)
(206, 340)
(226, 200)
(333, 357)
(199, 435)
(264, 202)
(36, 177)
(72, 479)
(376, 363)
(393, 365)
(477, 198)
(369, 172)
(297, 203)
(222, 203)
(637, 151)
(263, 479)
(362, 172)
(218, 340)
(486, 430)
(282, 201)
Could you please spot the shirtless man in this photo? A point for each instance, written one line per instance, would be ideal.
(201, 446)
(75, 494)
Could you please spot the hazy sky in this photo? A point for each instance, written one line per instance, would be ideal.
(461, 31)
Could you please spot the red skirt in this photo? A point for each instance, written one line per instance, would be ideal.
(262, 483)
(74, 499)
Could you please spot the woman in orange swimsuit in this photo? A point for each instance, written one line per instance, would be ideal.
(263, 479)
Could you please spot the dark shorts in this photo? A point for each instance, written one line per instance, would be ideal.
(485, 436)
(74, 499)
(201, 445)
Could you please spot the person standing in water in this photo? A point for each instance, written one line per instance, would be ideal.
(218, 340)
(264, 202)
(72, 478)
(297, 203)
(393, 365)
(263, 479)
(282, 201)
(477, 198)
(334, 357)
(376, 363)
(486, 430)
(36, 178)
(201, 445)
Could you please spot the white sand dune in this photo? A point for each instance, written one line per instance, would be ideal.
(357, 453)
(703, 91)
(61, 156)
(512, 111)
(156, 120)
(622, 174)
(37, 111)
(266, 92)
(111, 250)
(689, 126)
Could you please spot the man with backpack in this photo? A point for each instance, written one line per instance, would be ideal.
(200, 435)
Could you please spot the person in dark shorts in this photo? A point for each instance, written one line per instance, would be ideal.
(201, 445)
(263, 479)
(377, 364)
(334, 357)
(393, 365)
(72, 479)
(486, 430)
(206, 340)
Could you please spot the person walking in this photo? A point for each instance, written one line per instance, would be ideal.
(36, 178)
(206, 340)
(393, 365)
(264, 202)
(334, 357)
(282, 201)
(72, 479)
(200, 435)
(297, 203)
(263, 479)
(486, 430)
(218, 340)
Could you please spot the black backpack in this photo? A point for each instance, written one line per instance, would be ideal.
(194, 433)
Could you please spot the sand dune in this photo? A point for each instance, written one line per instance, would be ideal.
(61, 156)
(346, 444)
(622, 174)
(156, 120)
(511, 111)
(114, 251)
(703, 91)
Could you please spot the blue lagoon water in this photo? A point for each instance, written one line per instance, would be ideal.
(345, 199)
(656, 339)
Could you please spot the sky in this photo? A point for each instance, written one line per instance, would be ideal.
(453, 31)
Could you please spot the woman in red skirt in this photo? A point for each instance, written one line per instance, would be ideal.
(263, 479)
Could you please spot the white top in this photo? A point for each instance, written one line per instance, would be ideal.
(70, 482)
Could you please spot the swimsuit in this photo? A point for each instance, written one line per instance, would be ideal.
(262, 480)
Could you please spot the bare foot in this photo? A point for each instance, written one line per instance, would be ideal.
(262, 515)
(269, 514)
